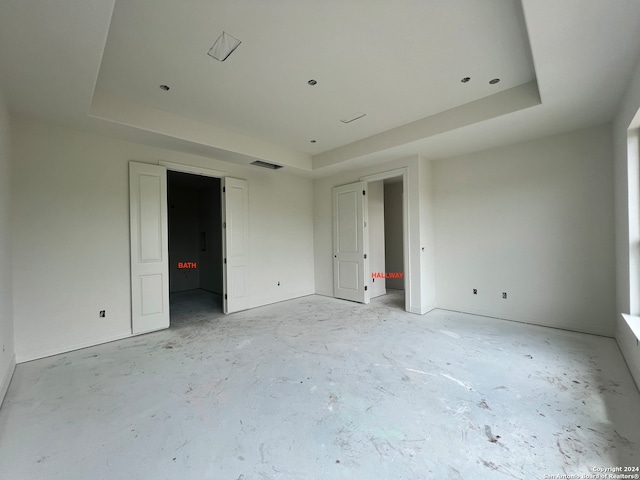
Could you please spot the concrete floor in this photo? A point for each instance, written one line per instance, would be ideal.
(318, 388)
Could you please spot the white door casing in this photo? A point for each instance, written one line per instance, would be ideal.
(350, 265)
(235, 212)
(407, 206)
(149, 247)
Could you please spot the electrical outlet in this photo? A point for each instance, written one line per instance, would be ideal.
(504, 294)
(475, 291)
(103, 313)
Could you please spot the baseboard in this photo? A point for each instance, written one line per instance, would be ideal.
(261, 302)
(6, 379)
(324, 293)
(378, 293)
(69, 348)
(421, 310)
(634, 370)
(483, 313)
(629, 345)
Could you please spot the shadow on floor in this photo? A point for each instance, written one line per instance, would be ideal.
(193, 306)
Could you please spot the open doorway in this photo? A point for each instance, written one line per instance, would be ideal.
(195, 247)
(359, 264)
(386, 240)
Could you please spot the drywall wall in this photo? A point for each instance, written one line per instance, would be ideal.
(627, 264)
(375, 203)
(71, 235)
(419, 298)
(428, 247)
(210, 218)
(7, 356)
(195, 232)
(393, 233)
(534, 220)
(184, 238)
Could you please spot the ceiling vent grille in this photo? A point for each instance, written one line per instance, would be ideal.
(260, 163)
(353, 118)
(224, 46)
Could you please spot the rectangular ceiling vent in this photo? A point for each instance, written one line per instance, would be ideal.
(353, 118)
(260, 163)
(225, 45)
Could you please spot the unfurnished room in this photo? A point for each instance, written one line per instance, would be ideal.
(293, 239)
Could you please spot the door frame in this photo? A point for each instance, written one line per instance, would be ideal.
(204, 172)
(400, 172)
(181, 167)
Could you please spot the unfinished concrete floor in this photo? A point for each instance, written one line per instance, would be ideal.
(318, 388)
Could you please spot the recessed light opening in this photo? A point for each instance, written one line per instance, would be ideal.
(313, 141)
(312, 82)
(165, 87)
(494, 81)
(465, 79)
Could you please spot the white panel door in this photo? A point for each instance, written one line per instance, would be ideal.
(149, 247)
(235, 210)
(350, 265)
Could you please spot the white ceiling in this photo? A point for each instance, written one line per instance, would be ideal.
(98, 64)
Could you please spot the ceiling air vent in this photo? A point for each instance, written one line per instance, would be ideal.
(224, 46)
(260, 163)
(352, 118)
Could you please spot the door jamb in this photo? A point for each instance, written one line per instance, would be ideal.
(400, 172)
(181, 167)
(205, 172)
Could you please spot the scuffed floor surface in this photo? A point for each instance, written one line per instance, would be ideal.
(318, 388)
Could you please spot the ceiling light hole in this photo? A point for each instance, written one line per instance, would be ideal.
(312, 82)
(313, 141)
(465, 79)
(494, 81)
(164, 88)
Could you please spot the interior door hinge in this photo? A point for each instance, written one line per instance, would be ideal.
(365, 255)
(364, 192)
(225, 296)
(224, 224)
(224, 189)
(366, 288)
(225, 261)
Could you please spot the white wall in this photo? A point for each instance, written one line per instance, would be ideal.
(184, 238)
(211, 223)
(7, 355)
(428, 244)
(71, 235)
(195, 209)
(393, 233)
(375, 191)
(625, 303)
(419, 294)
(534, 220)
